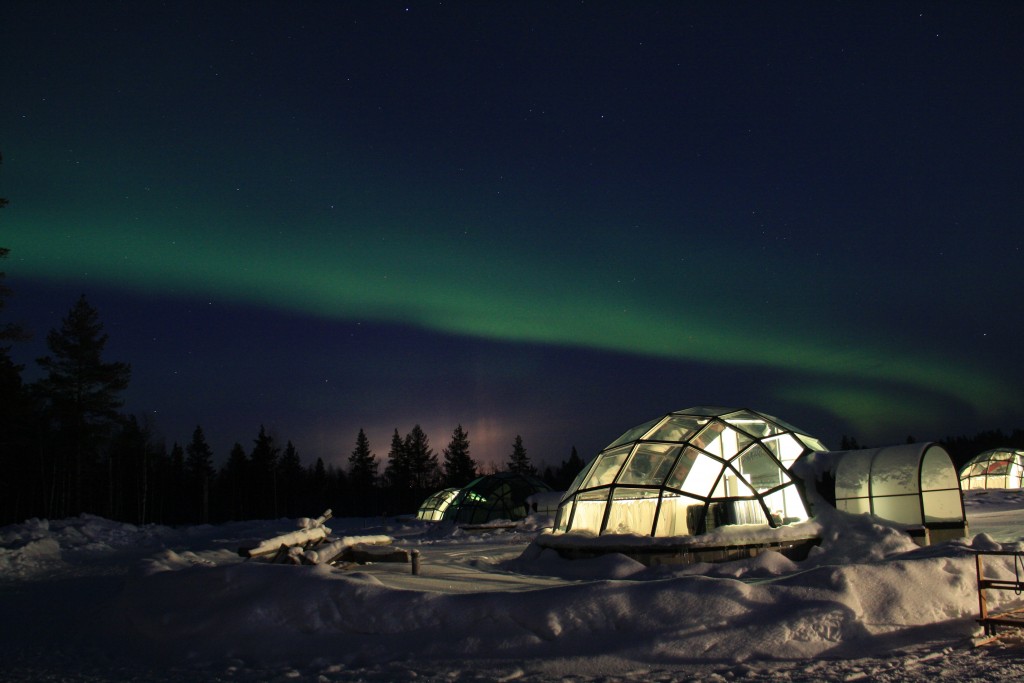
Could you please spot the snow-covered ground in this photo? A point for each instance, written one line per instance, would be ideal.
(87, 599)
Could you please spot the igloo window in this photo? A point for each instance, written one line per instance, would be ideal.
(687, 473)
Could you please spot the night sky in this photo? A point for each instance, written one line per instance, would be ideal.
(552, 219)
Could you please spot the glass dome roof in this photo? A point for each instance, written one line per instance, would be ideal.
(688, 472)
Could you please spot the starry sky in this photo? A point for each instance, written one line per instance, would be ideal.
(551, 219)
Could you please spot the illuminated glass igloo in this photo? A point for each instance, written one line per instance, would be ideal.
(494, 496)
(689, 472)
(434, 506)
(1001, 468)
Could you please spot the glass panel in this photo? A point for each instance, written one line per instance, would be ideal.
(634, 433)
(672, 518)
(942, 506)
(854, 506)
(709, 438)
(937, 471)
(721, 440)
(706, 411)
(751, 423)
(759, 468)
(562, 516)
(695, 473)
(580, 477)
(697, 518)
(905, 509)
(649, 464)
(606, 467)
(682, 468)
(632, 512)
(785, 447)
(735, 485)
(747, 512)
(853, 472)
(998, 467)
(894, 470)
(786, 505)
(811, 443)
(590, 511)
(677, 428)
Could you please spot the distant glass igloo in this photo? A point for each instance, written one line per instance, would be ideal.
(499, 496)
(689, 472)
(432, 509)
(1001, 468)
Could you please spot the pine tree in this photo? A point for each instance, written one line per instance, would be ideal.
(423, 465)
(291, 482)
(234, 485)
(17, 480)
(518, 461)
(362, 464)
(567, 471)
(459, 468)
(199, 473)
(397, 474)
(363, 469)
(82, 395)
(263, 475)
(318, 485)
(176, 509)
(128, 473)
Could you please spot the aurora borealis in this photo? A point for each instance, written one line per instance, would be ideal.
(548, 219)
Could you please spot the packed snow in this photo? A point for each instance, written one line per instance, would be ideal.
(88, 599)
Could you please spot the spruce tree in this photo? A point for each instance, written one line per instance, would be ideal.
(318, 485)
(362, 464)
(82, 394)
(19, 491)
(234, 485)
(290, 478)
(518, 461)
(128, 465)
(423, 465)
(263, 475)
(199, 474)
(397, 473)
(568, 470)
(459, 468)
(177, 511)
(397, 477)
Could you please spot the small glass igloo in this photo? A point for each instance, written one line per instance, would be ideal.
(689, 472)
(1001, 468)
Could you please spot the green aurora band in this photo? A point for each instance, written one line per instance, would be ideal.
(453, 284)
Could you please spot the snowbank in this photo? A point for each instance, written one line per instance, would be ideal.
(493, 602)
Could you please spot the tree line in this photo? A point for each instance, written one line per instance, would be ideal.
(66, 448)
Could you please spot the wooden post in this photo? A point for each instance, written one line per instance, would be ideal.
(982, 601)
(415, 562)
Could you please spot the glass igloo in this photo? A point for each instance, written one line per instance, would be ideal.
(500, 496)
(1001, 468)
(689, 472)
(434, 506)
